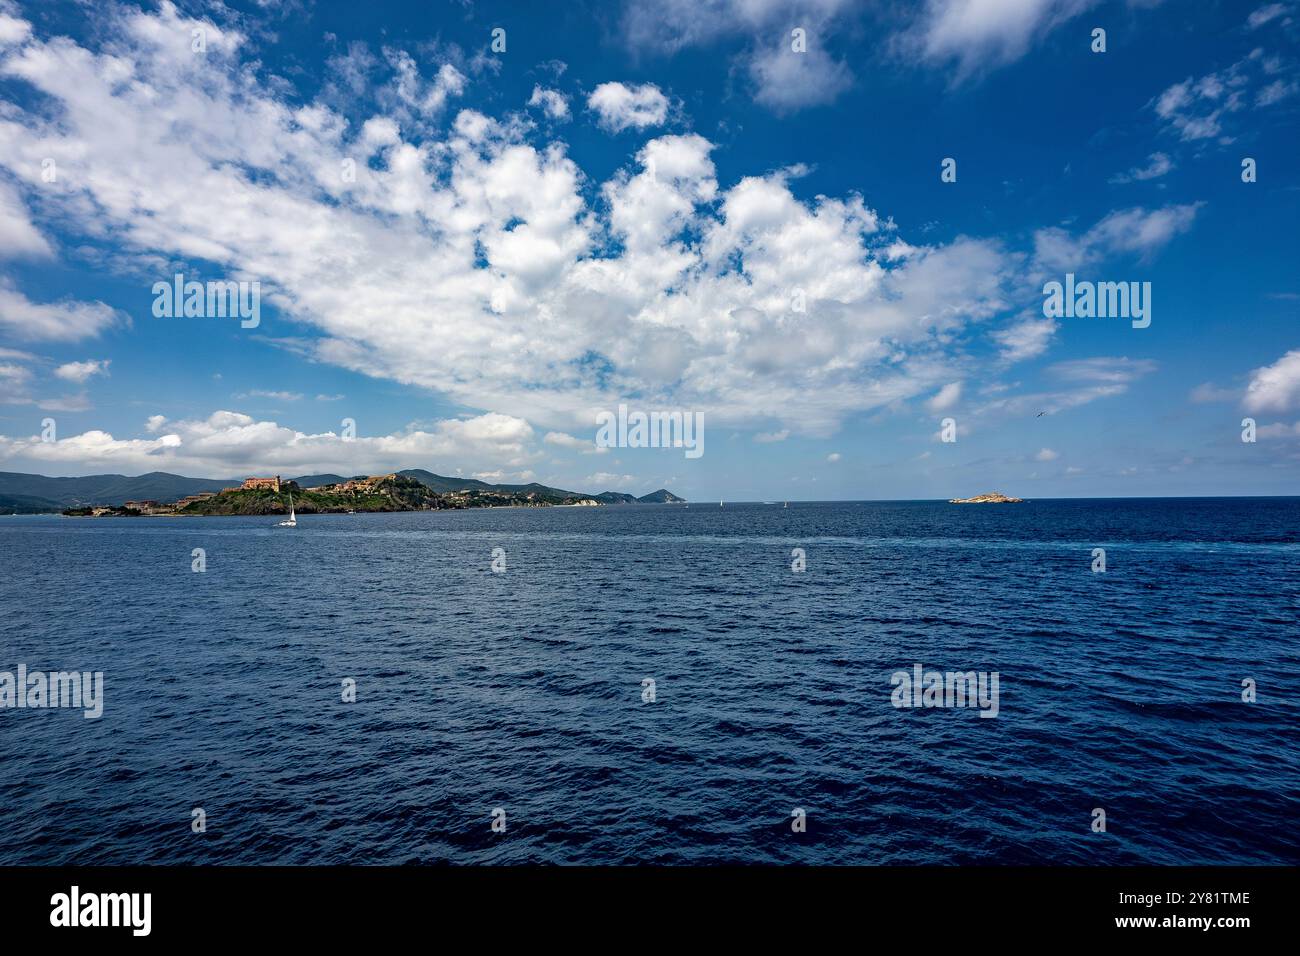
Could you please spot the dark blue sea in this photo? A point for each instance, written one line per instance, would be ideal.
(523, 690)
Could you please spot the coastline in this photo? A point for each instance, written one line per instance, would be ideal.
(730, 504)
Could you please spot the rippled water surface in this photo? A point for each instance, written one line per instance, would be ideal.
(523, 690)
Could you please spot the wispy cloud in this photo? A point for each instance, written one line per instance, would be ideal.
(1139, 232)
(62, 321)
(974, 37)
(1082, 381)
(279, 396)
(1266, 14)
(1199, 108)
(1158, 164)
(946, 398)
(786, 71)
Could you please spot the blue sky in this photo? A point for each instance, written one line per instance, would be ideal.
(621, 207)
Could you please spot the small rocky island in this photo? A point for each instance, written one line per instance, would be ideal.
(988, 498)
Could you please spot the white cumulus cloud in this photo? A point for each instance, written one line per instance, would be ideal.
(619, 106)
(551, 102)
(1276, 387)
(473, 257)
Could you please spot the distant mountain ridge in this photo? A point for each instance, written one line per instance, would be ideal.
(27, 494)
(35, 494)
(442, 483)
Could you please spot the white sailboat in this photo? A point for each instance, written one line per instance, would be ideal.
(292, 520)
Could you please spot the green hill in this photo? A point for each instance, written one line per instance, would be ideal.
(662, 496)
(385, 494)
